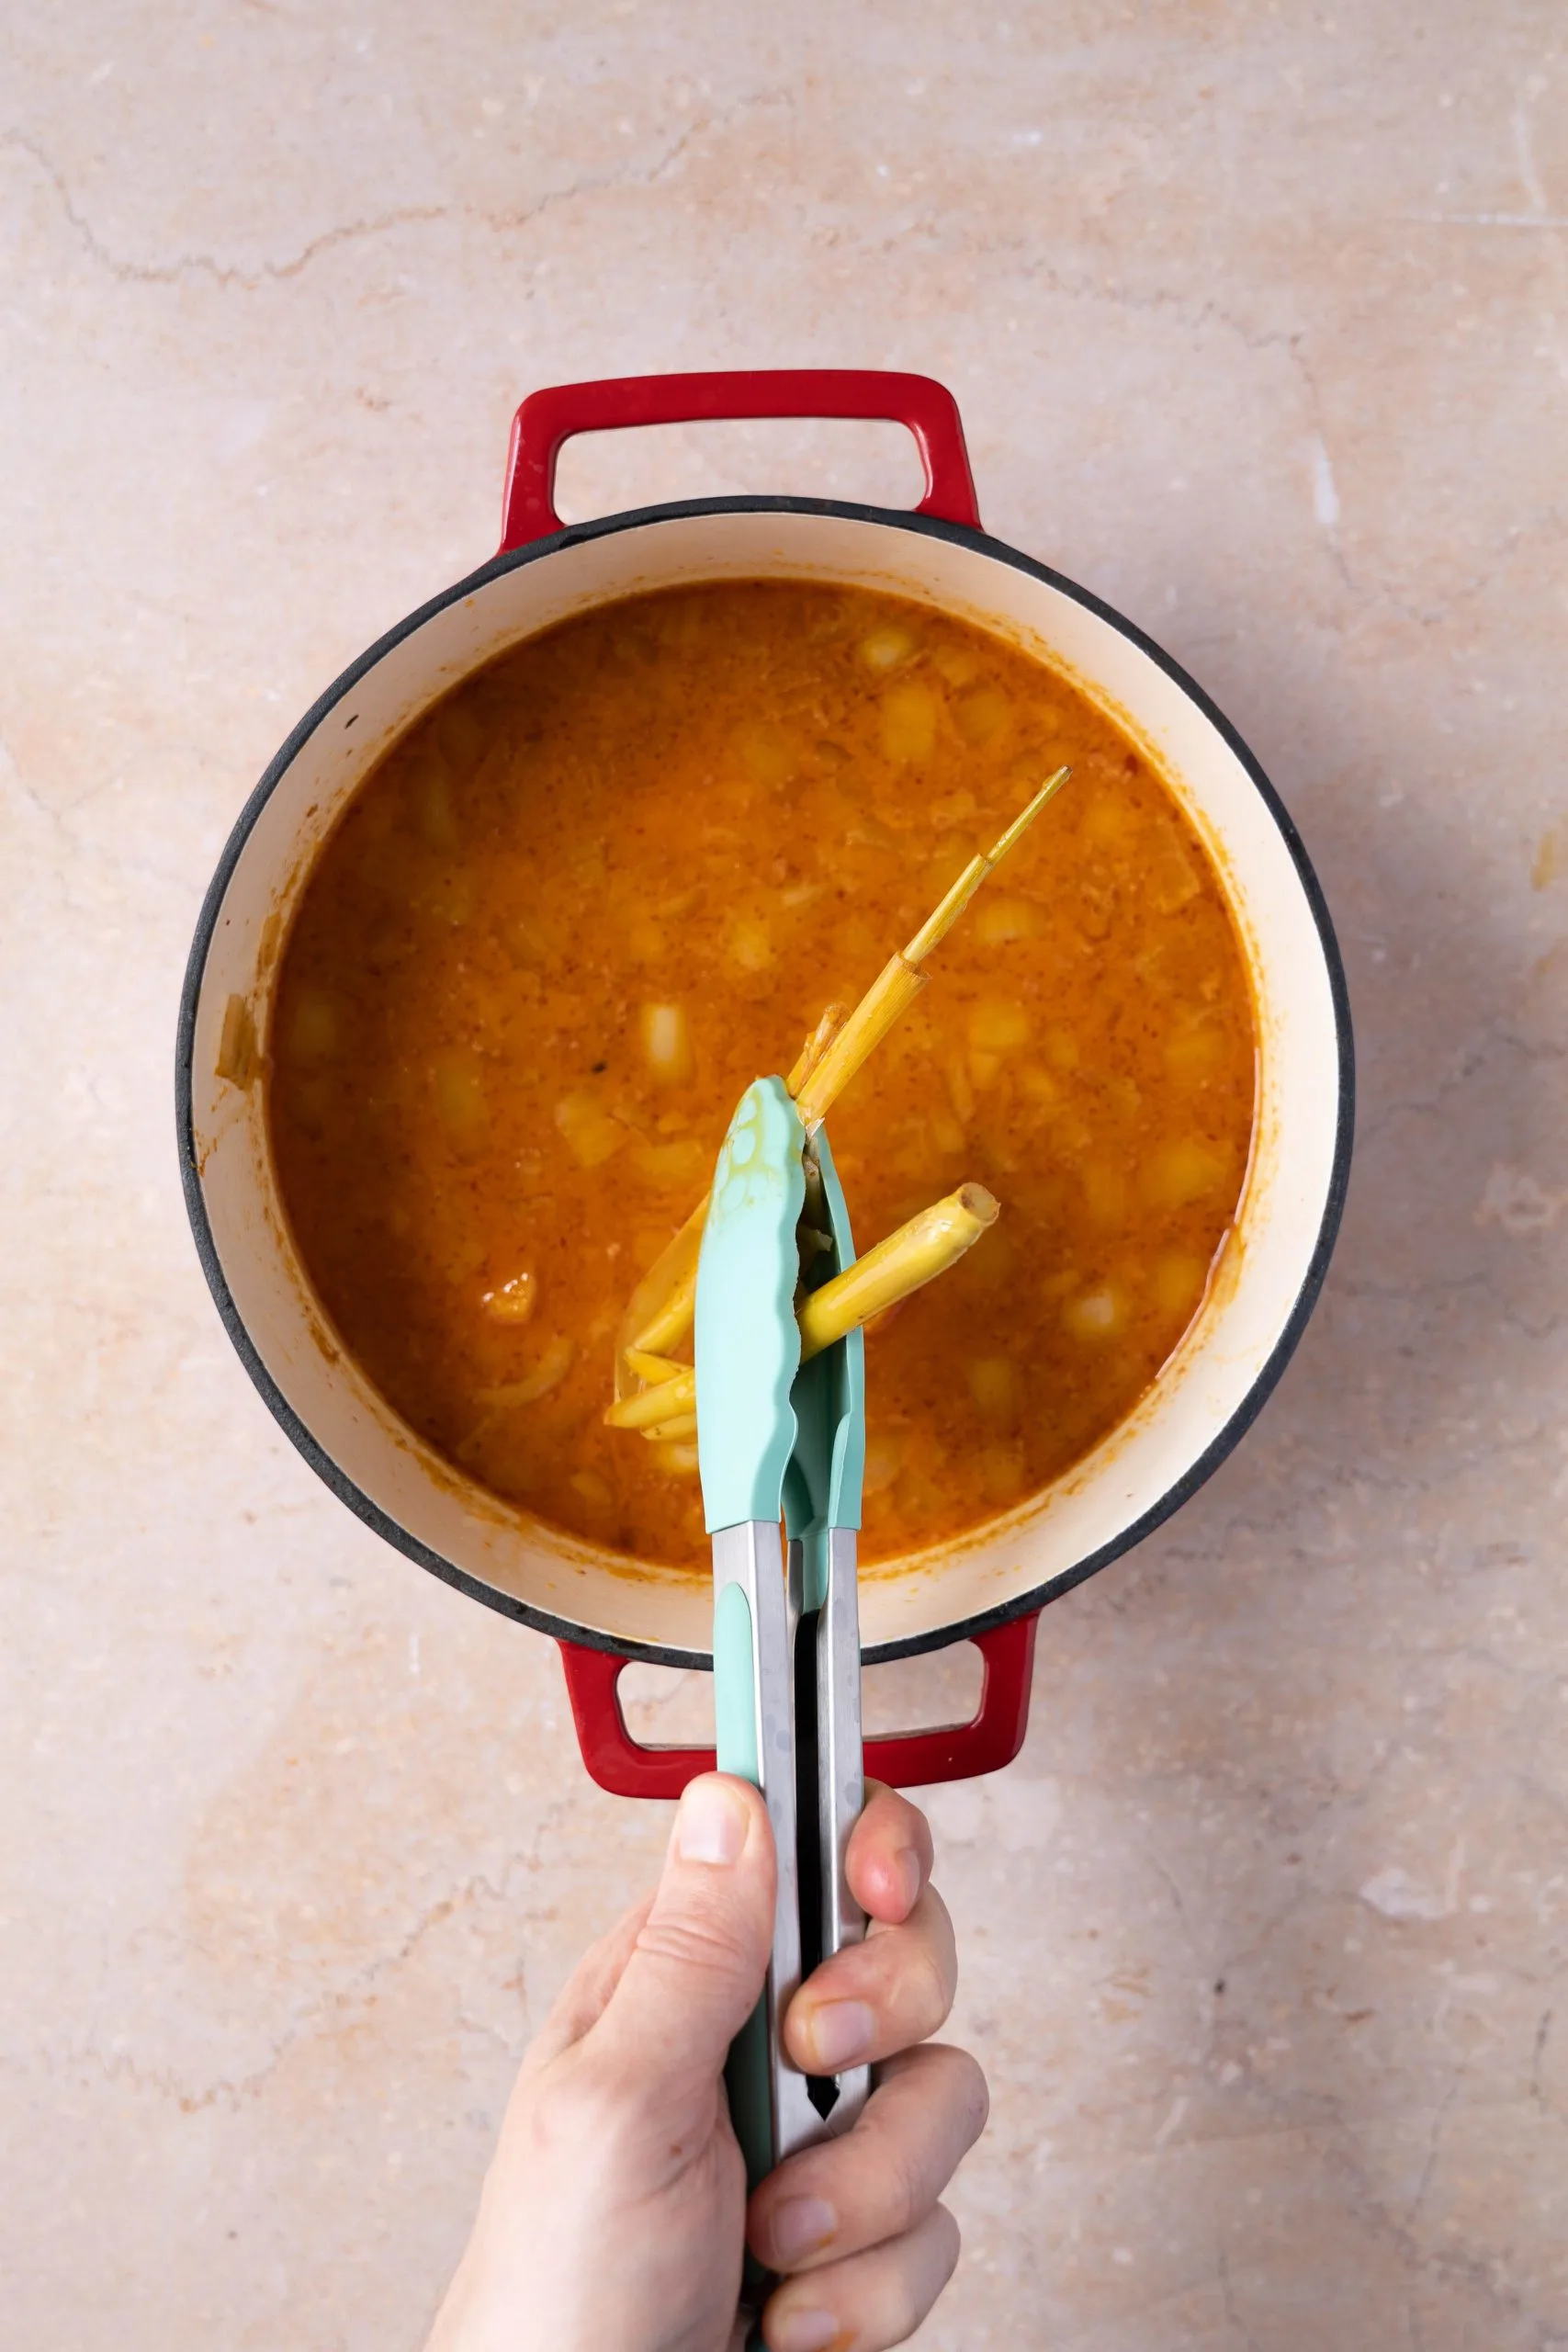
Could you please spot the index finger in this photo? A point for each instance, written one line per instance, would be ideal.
(888, 1861)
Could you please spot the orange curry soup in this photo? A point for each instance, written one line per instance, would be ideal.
(617, 876)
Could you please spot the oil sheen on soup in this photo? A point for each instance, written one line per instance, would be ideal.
(618, 874)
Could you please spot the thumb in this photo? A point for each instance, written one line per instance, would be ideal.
(697, 1965)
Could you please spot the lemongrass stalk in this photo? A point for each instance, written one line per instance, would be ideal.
(664, 1306)
(1025, 816)
(651, 1406)
(892, 992)
(931, 1242)
(684, 1425)
(815, 1046)
(901, 980)
(674, 1318)
(661, 1310)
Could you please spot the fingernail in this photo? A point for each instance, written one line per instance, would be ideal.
(800, 2331)
(840, 2032)
(800, 2225)
(710, 1824)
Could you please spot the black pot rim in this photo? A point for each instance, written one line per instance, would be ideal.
(926, 525)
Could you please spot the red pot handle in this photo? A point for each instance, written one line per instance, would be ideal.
(549, 418)
(910, 1759)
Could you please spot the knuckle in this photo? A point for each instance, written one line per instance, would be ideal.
(708, 1945)
(906, 2194)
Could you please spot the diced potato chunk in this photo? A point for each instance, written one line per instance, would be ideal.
(1180, 1173)
(513, 1301)
(591, 1132)
(750, 946)
(982, 716)
(993, 1383)
(1097, 1315)
(672, 1166)
(984, 1068)
(315, 1026)
(667, 1042)
(766, 754)
(908, 723)
(1109, 818)
(956, 663)
(1000, 921)
(887, 648)
(1039, 1086)
(997, 1025)
(593, 1489)
(457, 1082)
(1194, 1052)
(1179, 1281)
(1062, 1049)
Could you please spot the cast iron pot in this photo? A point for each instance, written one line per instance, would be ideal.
(989, 1589)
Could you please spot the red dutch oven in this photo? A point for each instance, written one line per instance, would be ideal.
(988, 1588)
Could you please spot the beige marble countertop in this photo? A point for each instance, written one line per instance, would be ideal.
(1259, 318)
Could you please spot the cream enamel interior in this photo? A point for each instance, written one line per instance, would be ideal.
(1201, 1390)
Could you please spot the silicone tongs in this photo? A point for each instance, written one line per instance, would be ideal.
(777, 1439)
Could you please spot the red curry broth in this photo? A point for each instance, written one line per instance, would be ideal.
(617, 876)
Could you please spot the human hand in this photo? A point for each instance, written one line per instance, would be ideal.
(614, 2210)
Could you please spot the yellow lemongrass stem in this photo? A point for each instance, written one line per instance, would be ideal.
(905, 1261)
(931, 1242)
(892, 992)
(668, 1402)
(664, 1305)
(901, 980)
(659, 1311)
(674, 1318)
(815, 1046)
(684, 1425)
